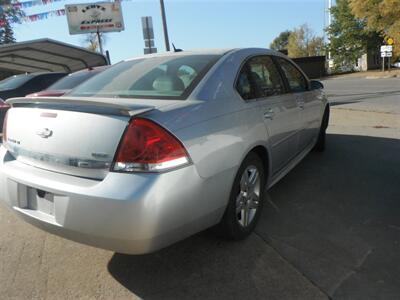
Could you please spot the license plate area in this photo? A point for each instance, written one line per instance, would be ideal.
(39, 200)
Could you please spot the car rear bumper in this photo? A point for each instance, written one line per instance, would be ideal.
(127, 213)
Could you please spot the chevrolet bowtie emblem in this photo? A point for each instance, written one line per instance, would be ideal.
(44, 133)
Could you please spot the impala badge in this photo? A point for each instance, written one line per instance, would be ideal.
(44, 133)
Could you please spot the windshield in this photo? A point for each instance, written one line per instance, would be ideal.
(14, 81)
(168, 77)
(72, 80)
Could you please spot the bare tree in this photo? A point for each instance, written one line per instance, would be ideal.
(303, 42)
(91, 41)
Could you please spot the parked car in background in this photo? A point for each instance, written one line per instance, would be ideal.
(24, 84)
(3, 109)
(67, 83)
(157, 148)
(396, 64)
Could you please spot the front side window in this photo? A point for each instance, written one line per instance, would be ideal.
(259, 78)
(165, 77)
(296, 80)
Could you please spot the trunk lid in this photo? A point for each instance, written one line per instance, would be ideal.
(72, 136)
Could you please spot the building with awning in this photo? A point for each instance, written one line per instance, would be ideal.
(44, 55)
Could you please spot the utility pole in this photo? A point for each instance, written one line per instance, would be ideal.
(99, 39)
(148, 33)
(164, 20)
(329, 24)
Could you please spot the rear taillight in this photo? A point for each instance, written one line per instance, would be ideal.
(5, 128)
(146, 146)
(4, 105)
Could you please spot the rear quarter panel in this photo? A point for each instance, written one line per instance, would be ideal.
(217, 147)
(220, 143)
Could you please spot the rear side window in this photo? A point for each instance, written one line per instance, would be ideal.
(296, 80)
(259, 78)
(163, 77)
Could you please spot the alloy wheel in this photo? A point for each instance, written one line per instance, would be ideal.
(248, 199)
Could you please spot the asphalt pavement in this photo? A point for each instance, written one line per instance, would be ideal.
(370, 94)
(330, 229)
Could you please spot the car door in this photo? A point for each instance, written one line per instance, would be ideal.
(278, 109)
(307, 102)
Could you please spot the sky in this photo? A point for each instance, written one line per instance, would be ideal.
(192, 24)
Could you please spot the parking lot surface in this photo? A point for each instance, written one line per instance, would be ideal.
(330, 229)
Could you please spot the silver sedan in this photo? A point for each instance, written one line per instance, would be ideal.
(157, 148)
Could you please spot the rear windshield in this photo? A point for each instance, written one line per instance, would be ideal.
(72, 80)
(153, 78)
(14, 81)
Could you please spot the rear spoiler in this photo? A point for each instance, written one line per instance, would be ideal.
(102, 106)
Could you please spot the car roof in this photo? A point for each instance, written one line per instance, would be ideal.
(38, 73)
(184, 53)
(47, 73)
(221, 52)
(94, 69)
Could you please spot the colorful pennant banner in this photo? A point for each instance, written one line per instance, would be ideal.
(44, 15)
(28, 4)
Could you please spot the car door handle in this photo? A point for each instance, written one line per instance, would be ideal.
(269, 114)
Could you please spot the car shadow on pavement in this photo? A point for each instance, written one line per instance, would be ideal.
(205, 267)
(334, 218)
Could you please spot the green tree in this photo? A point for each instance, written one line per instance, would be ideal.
(381, 16)
(281, 41)
(303, 42)
(6, 33)
(349, 37)
(8, 14)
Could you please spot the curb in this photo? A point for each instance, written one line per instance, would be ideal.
(382, 77)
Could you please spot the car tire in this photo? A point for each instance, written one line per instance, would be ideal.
(245, 201)
(321, 141)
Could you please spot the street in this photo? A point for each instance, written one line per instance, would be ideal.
(330, 229)
(382, 94)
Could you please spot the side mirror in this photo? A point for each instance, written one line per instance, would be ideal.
(316, 85)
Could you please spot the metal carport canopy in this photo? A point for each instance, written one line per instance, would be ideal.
(47, 55)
